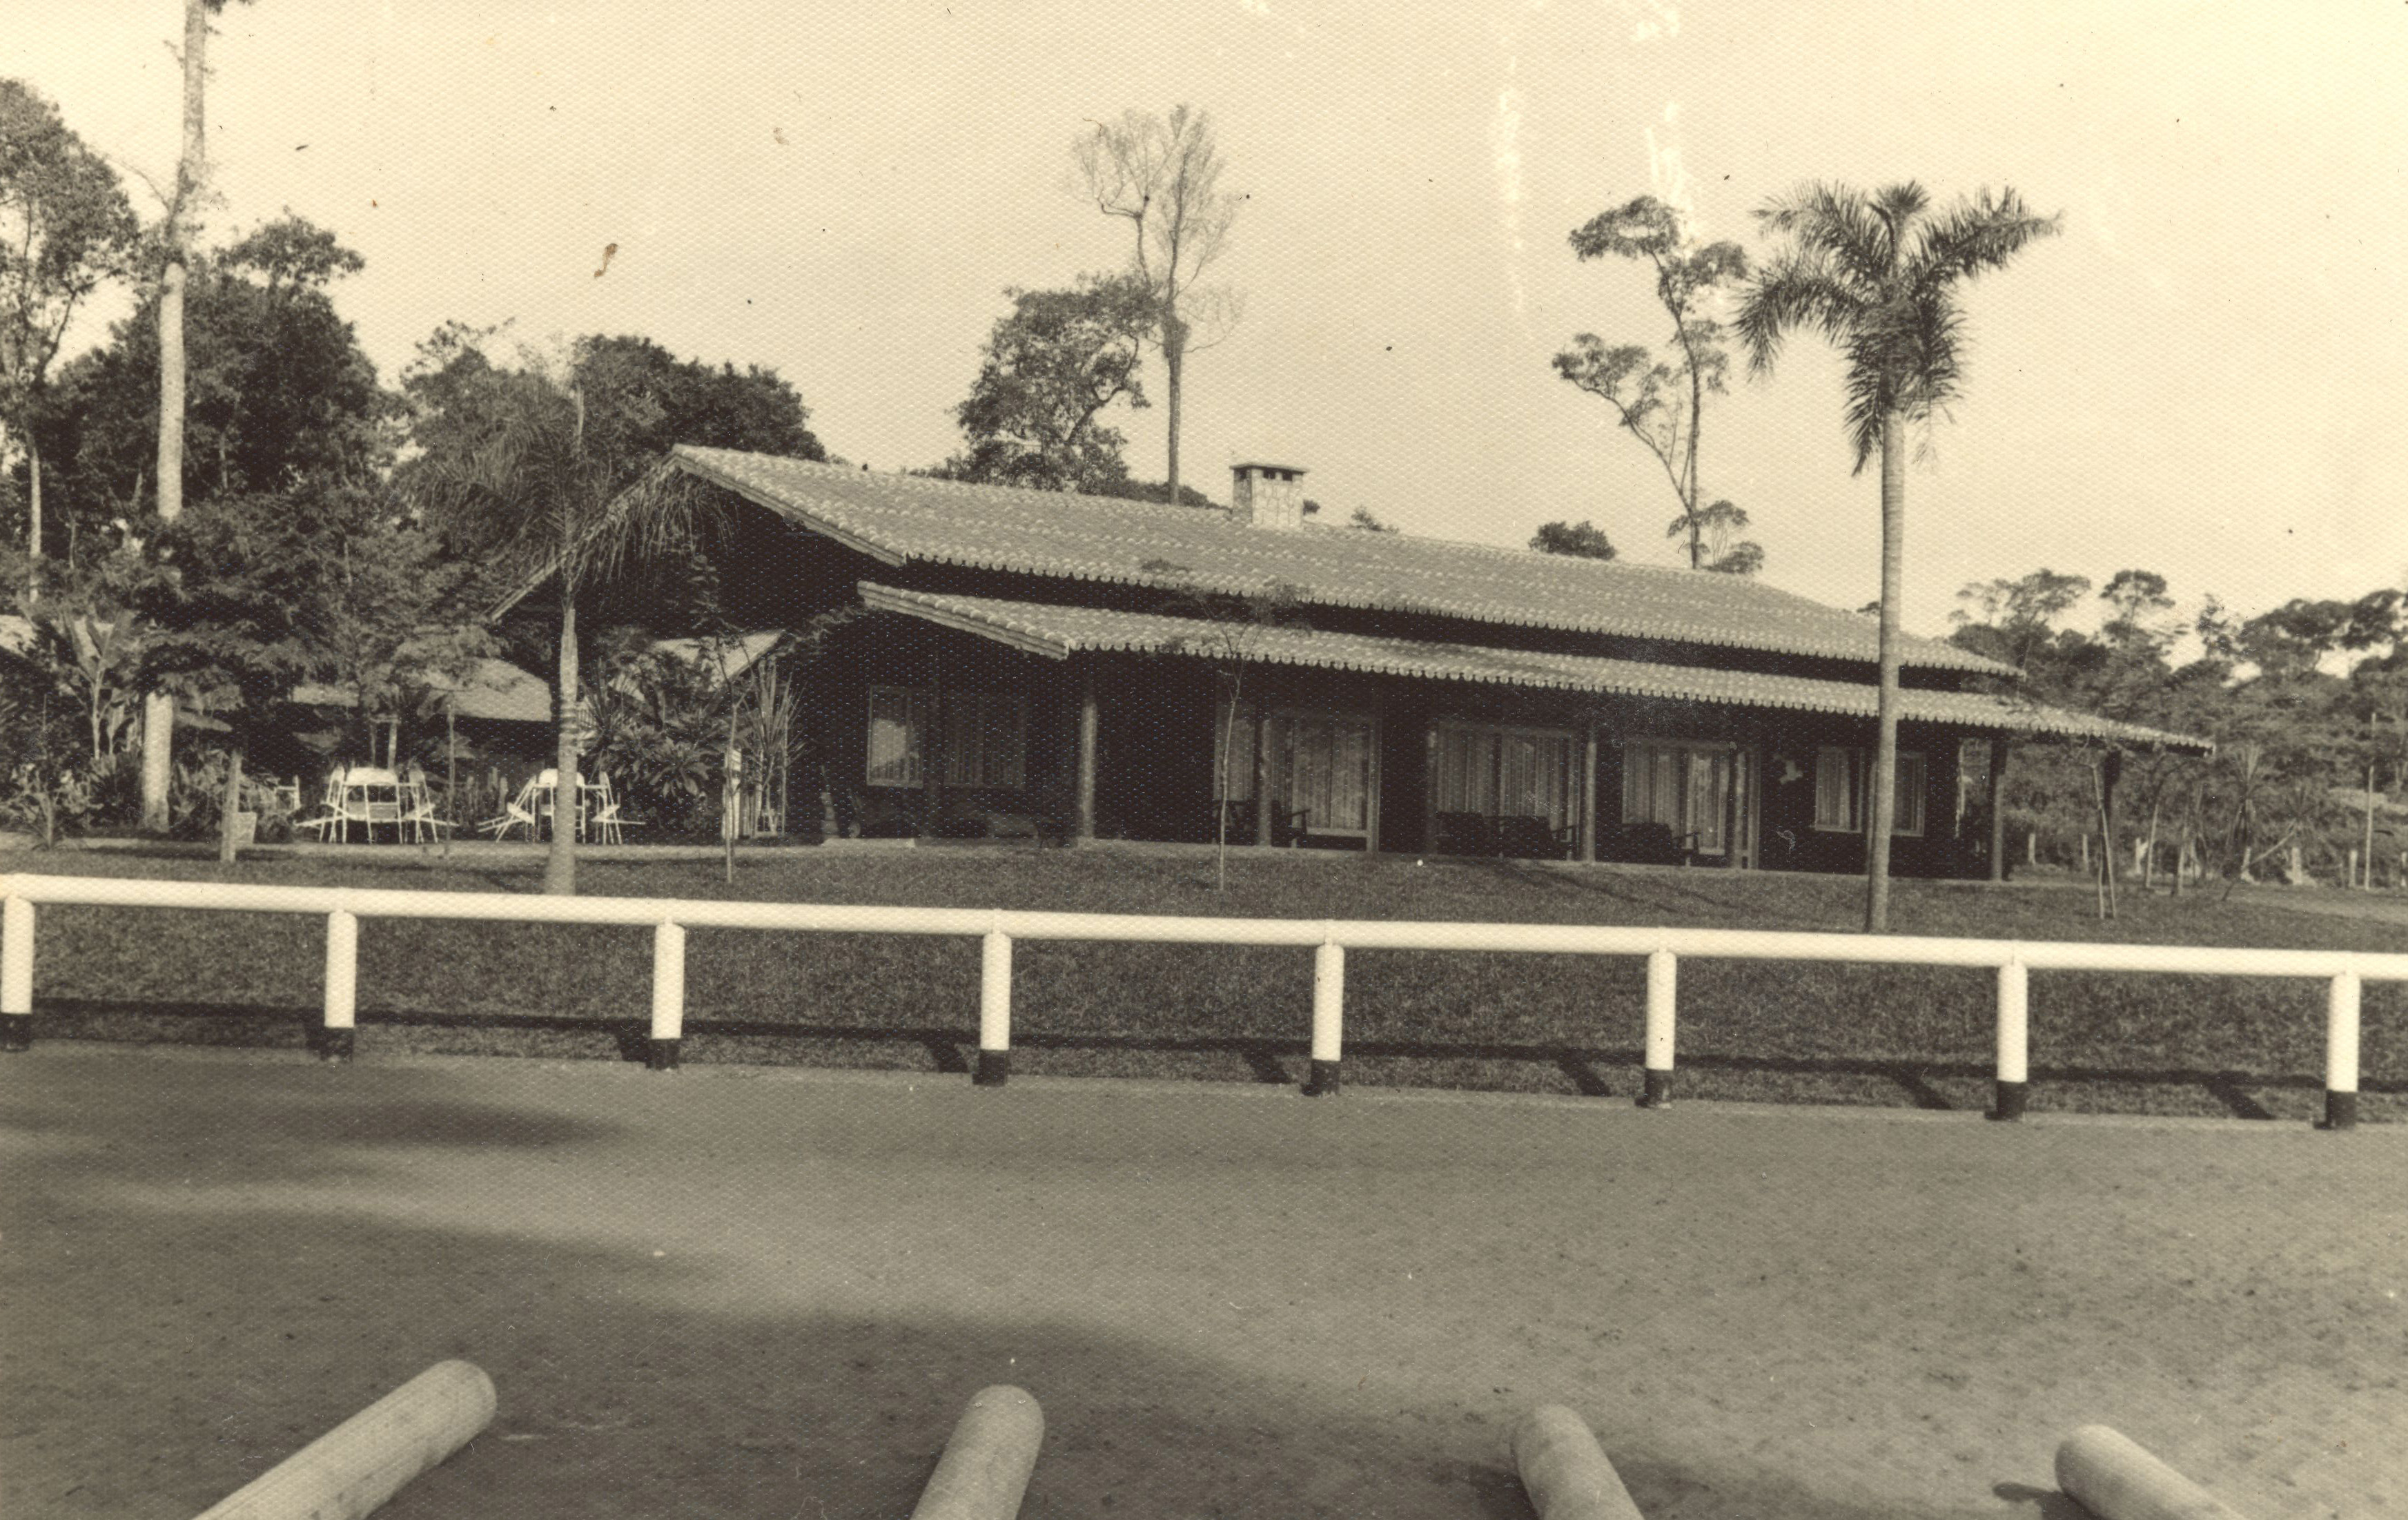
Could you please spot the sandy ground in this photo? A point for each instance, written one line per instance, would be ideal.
(741, 1293)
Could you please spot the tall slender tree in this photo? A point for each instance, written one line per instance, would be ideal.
(1661, 401)
(176, 239)
(1880, 275)
(1163, 174)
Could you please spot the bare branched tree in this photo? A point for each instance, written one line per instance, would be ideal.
(1163, 174)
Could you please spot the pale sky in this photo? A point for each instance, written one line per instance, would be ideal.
(2204, 375)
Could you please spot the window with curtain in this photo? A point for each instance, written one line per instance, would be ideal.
(985, 738)
(1499, 773)
(1684, 787)
(898, 719)
(1234, 782)
(1844, 791)
(1329, 770)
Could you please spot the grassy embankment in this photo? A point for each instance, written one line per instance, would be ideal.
(1763, 1031)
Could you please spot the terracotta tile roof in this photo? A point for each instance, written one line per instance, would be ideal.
(906, 517)
(1059, 632)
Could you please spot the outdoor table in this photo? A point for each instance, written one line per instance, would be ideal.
(372, 795)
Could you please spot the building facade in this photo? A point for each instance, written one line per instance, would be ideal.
(1097, 667)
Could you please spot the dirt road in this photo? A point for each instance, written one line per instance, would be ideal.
(732, 1292)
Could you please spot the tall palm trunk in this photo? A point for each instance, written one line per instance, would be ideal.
(560, 866)
(1884, 810)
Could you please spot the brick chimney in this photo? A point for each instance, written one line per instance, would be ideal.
(1268, 496)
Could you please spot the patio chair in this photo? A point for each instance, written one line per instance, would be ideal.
(417, 813)
(333, 817)
(385, 810)
(602, 822)
(1288, 824)
(1526, 837)
(519, 810)
(1465, 834)
(1643, 844)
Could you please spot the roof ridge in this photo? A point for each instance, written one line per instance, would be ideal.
(946, 482)
(895, 518)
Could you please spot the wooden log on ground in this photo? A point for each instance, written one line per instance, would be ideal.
(1565, 1472)
(985, 1467)
(2115, 1478)
(352, 1468)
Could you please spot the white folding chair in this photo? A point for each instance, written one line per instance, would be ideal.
(604, 821)
(520, 809)
(334, 818)
(418, 807)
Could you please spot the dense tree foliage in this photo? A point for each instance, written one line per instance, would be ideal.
(278, 389)
(2303, 701)
(66, 228)
(1584, 539)
(1049, 370)
(466, 408)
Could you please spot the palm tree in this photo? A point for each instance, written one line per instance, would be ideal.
(1878, 275)
(562, 461)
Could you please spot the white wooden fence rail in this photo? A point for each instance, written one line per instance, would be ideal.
(1330, 939)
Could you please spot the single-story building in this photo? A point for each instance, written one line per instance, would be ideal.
(1149, 672)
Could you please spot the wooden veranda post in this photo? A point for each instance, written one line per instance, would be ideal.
(1730, 813)
(1262, 775)
(932, 750)
(1588, 797)
(1429, 789)
(1999, 808)
(1087, 716)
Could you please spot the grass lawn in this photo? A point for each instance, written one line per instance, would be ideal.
(1749, 1030)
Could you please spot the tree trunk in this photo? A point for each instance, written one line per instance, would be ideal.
(1999, 752)
(32, 497)
(2369, 883)
(227, 842)
(560, 866)
(1174, 362)
(2111, 772)
(158, 710)
(1696, 414)
(1893, 515)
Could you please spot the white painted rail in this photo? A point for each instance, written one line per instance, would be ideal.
(1328, 938)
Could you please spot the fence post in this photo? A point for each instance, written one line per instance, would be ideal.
(2340, 1053)
(2014, 1041)
(17, 975)
(994, 1011)
(669, 997)
(1663, 985)
(342, 986)
(1328, 1006)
